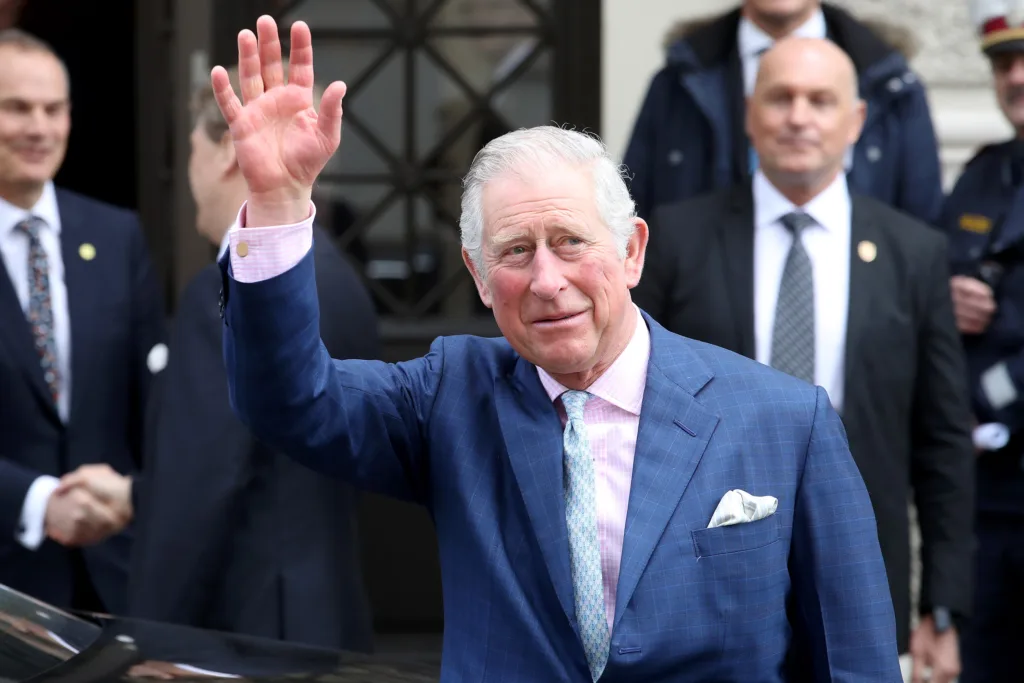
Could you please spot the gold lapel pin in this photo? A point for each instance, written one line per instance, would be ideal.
(867, 251)
(87, 252)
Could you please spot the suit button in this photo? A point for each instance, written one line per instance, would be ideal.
(242, 249)
(675, 157)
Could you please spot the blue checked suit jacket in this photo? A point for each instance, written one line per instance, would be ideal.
(469, 432)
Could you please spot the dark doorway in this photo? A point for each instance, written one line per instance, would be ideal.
(97, 41)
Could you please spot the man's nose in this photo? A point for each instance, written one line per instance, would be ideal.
(799, 111)
(547, 280)
(1015, 74)
(36, 121)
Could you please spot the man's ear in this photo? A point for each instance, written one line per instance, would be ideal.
(481, 284)
(636, 252)
(226, 155)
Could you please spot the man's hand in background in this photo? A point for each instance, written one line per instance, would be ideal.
(91, 503)
(973, 303)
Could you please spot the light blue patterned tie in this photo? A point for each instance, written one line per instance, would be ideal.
(581, 520)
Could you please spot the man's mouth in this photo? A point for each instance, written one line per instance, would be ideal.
(557, 319)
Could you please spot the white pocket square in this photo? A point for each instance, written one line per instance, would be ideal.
(738, 506)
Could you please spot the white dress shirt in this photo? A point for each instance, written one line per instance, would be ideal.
(752, 41)
(14, 246)
(224, 244)
(828, 245)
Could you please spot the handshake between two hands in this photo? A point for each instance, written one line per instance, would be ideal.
(90, 504)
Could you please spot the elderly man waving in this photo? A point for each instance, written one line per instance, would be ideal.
(612, 501)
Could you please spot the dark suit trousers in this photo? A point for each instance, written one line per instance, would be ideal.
(991, 643)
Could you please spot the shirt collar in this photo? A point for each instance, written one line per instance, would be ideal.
(623, 383)
(45, 208)
(752, 41)
(828, 208)
(224, 244)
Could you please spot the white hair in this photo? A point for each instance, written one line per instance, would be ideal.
(544, 147)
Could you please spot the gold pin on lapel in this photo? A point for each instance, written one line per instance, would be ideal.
(867, 251)
(87, 251)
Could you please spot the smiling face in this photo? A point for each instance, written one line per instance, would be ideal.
(1008, 76)
(553, 272)
(35, 118)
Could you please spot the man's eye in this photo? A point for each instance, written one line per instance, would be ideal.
(517, 251)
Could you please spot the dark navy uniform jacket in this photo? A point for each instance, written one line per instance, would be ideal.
(689, 137)
(984, 216)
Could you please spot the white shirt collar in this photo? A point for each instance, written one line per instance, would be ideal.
(751, 40)
(830, 208)
(45, 208)
(224, 244)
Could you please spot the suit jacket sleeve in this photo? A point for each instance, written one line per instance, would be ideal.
(942, 455)
(358, 420)
(844, 622)
(187, 502)
(147, 329)
(15, 480)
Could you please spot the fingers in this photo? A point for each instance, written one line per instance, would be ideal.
(300, 67)
(270, 52)
(228, 102)
(917, 673)
(83, 477)
(250, 74)
(329, 118)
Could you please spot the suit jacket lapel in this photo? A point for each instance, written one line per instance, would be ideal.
(79, 277)
(863, 284)
(532, 432)
(16, 335)
(674, 432)
(736, 238)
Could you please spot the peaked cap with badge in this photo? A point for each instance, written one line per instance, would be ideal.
(1000, 25)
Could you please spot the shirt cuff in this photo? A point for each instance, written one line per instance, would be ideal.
(259, 254)
(32, 530)
(992, 436)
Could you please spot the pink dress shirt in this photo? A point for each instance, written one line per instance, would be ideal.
(612, 414)
(612, 417)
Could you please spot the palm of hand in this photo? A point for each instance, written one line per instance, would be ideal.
(278, 143)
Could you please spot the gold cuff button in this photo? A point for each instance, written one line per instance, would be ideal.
(242, 249)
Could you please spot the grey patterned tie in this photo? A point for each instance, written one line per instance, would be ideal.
(793, 332)
(40, 306)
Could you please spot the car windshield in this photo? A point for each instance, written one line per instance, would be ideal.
(35, 637)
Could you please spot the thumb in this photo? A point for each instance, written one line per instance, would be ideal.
(70, 481)
(329, 118)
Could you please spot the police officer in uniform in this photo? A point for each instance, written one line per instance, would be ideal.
(984, 216)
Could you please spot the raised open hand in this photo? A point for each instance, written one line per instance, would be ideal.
(281, 141)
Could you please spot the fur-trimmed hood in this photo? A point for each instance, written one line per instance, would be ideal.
(897, 37)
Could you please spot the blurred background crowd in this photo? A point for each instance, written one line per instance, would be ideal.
(127, 485)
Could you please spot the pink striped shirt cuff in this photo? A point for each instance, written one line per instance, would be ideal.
(259, 254)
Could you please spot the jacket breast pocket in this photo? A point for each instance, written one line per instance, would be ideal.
(735, 538)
